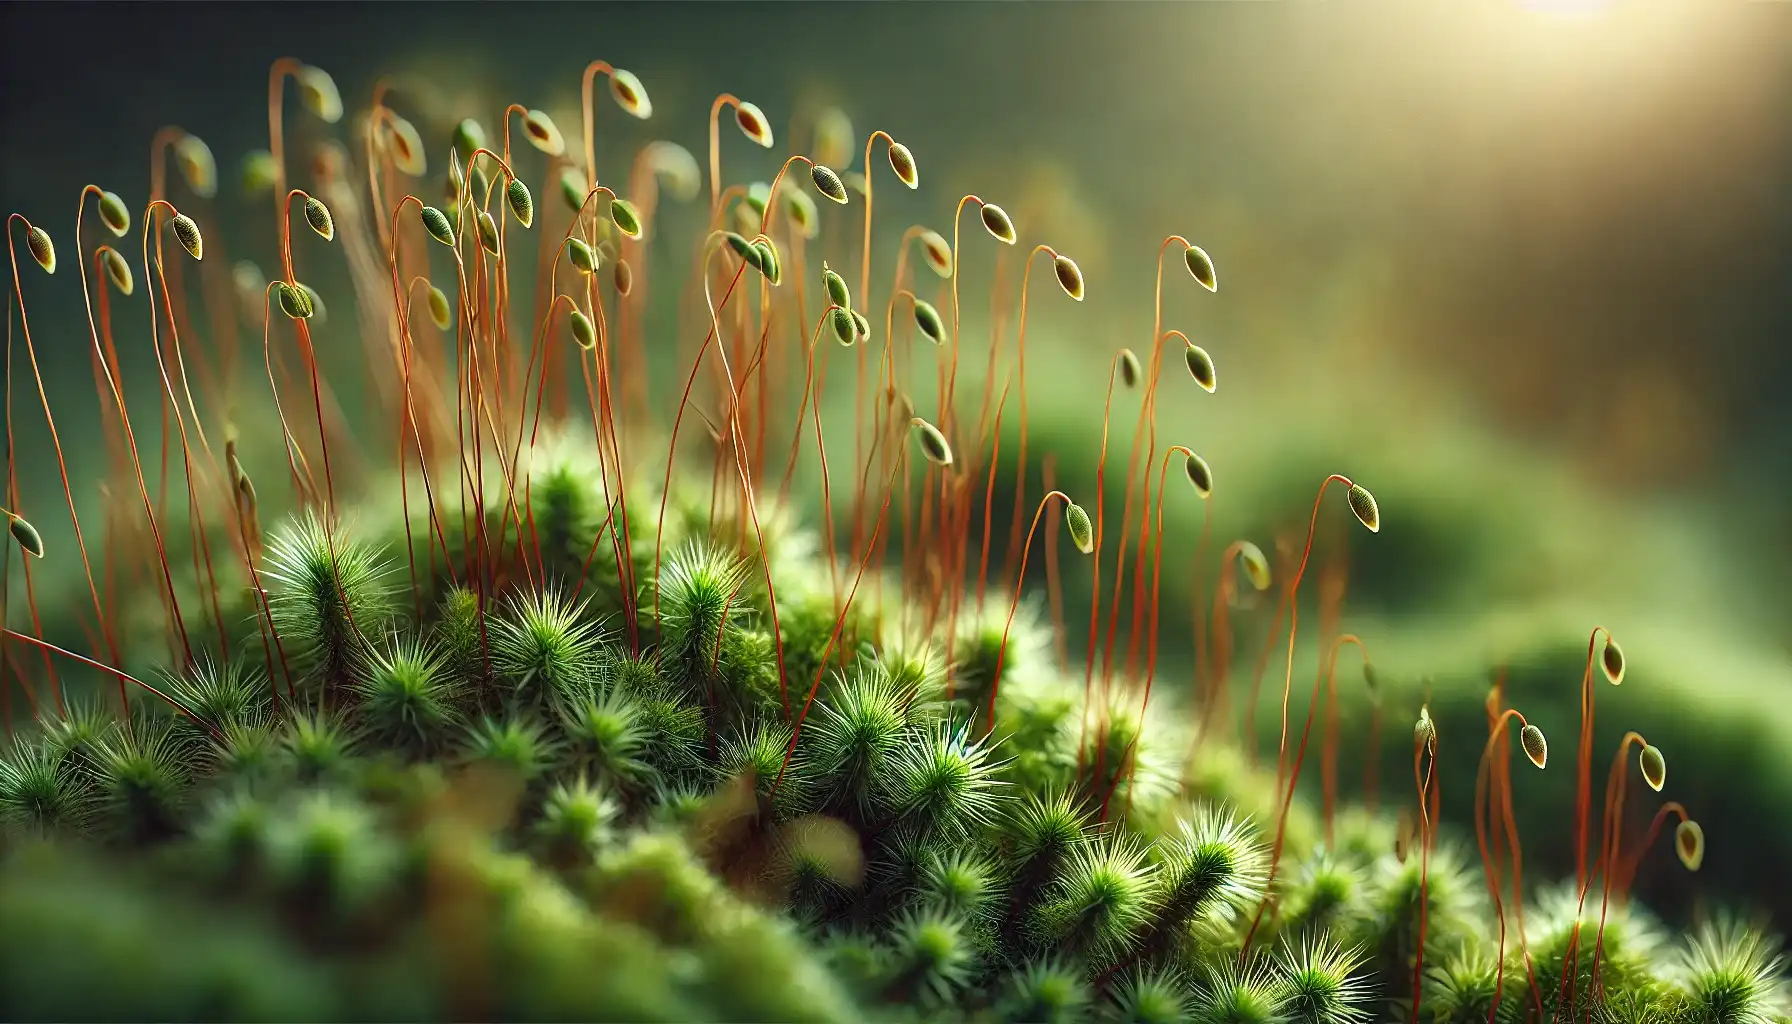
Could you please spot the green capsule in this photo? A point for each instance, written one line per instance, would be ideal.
(581, 256)
(933, 443)
(1130, 371)
(26, 535)
(318, 216)
(802, 213)
(440, 313)
(407, 147)
(769, 263)
(862, 326)
(1070, 277)
(1256, 569)
(629, 94)
(1199, 474)
(42, 249)
(828, 183)
(838, 293)
(752, 208)
(626, 219)
(188, 233)
(469, 138)
(115, 215)
(1424, 731)
(1535, 746)
(295, 302)
(1689, 844)
(117, 270)
(317, 91)
(437, 224)
(928, 320)
(258, 172)
(753, 124)
(1201, 266)
(542, 133)
(1200, 367)
(572, 188)
(844, 327)
(197, 166)
(522, 204)
(1082, 532)
(997, 223)
(903, 163)
(488, 232)
(742, 248)
(1611, 660)
(583, 331)
(1654, 766)
(1363, 504)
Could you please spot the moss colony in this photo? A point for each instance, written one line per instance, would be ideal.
(551, 717)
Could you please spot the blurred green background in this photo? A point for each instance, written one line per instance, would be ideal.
(1524, 269)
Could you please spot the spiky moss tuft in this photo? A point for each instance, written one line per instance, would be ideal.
(328, 855)
(1325, 896)
(577, 819)
(1390, 931)
(1248, 994)
(245, 753)
(1733, 973)
(1026, 668)
(1101, 902)
(1460, 987)
(545, 648)
(460, 633)
(1212, 867)
(75, 737)
(409, 699)
(141, 782)
(1132, 760)
(215, 696)
(964, 883)
(1323, 984)
(328, 592)
(606, 737)
(1047, 991)
(318, 746)
(1150, 995)
(515, 744)
(931, 956)
(758, 751)
(1563, 954)
(700, 600)
(858, 735)
(944, 782)
(39, 793)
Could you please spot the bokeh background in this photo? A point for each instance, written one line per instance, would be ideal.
(1524, 269)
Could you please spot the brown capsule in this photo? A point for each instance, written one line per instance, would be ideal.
(928, 320)
(542, 133)
(1070, 277)
(42, 249)
(933, 443)
(903, 163)
(1200, 367)
(629, 94)
(997, 223)
(188, 234)
(1199, 474)
(845, 329)
(1201, 266)
(1082, 532)
(937, 252)
(1130, 371)
(1689, 843)
(1654, 766)
(753, 124)
(26, 535)
(1535, 746)
(318, 216)
(117, 270)
(1256, 566)
(625, 278)
(1612, 661)
(828, 183)
(1363, 504)
(115, 215)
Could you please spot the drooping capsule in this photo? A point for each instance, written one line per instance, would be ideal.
(26, 535)
(629, 94)
(1130, 371)
(997, 223)
(583, 331)
(838, 293)
(258, 172)
(769, 264)
(522, 204)
(581, 256)
(804, 217)
(626, 219)
(828, 183)
(753, 124)
(1082, 532)
(624, 276)
(1362, 503)
(42, 249)
(1200, 266)
(1256, 567)
(1654, 766)
(407, 147)
(841, 323)
(1200, 367)
(572, 188)
(318, 216)
(436, 223)
(861, 327)
(188, 234)
(197, 165)
(674, 166)
(317, 91)
(469, 138)
(1611, 660)
(937, 252)
(1535, 746)
(114, 214)
(294, 302)
(440, 313)
(1424, 731)
(488, 232)
(928, 320)
(318, 312)
(1689, 843)
(1070, 276)
(933, 443)
(903, 163)
(542, 133)
(117, 270)
(1199, 474)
